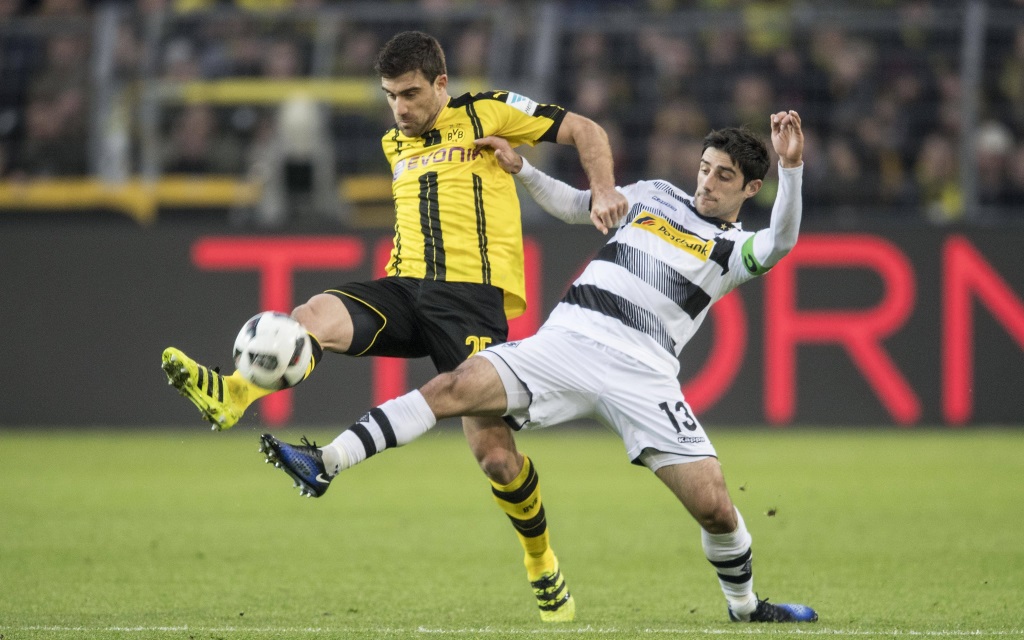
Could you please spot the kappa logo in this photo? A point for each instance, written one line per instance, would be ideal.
(664, 203)
(694, 245)
(689, 439)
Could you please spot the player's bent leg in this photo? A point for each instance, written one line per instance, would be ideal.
(521, 500)
(478, 389)
(516, 485)
(221, 399)
(392, 424)
(516, 490)
(700, 486)
(473, 388)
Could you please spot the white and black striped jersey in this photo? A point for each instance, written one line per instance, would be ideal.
(650, 287)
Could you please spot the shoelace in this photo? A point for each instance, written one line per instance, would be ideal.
(766, 609)
(546, 583)
(308, 443)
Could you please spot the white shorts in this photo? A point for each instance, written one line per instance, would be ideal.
(559, 375)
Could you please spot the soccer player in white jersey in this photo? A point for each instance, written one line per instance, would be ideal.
(619, 328)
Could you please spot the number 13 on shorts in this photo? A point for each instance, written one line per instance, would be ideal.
(683, 412)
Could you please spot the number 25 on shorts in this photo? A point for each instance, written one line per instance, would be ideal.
(478, 343)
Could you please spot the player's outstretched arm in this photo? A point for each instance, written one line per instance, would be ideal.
(554, 196)
(773, 243)
(607, 206)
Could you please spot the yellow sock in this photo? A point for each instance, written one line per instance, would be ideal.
(243, 393)
(318, 352)
(521, 501)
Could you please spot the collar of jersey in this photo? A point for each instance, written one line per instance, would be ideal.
(715, 222)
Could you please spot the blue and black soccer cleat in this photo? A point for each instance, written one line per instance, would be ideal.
(768, 612)
(304, 463)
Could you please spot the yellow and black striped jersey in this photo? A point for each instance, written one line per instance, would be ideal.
(457, 213)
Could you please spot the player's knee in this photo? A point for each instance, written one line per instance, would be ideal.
(462, 384)
(449, 384)
(494, 448)
(447, 396)
(717, 516)
(325, 317)
(499, 465)
(306, 313)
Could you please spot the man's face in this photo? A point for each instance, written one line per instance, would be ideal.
(415, 101)
(720, 190)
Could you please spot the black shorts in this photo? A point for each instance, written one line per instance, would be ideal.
(413, 318)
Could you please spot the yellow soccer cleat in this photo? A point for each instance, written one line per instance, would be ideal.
(221, 399)
(555, 602)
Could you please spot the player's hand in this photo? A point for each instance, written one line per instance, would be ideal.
(788, 138)
(607, 207)
(507, 158)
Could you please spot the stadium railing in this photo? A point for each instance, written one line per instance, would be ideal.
(142, 75)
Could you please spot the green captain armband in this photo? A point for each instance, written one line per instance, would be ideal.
(749, 261)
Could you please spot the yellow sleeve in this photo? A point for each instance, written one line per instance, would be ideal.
(519, 119)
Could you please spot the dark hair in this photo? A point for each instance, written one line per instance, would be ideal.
(411, 51)
(744, 148)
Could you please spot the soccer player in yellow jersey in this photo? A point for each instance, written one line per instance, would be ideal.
(455, 275)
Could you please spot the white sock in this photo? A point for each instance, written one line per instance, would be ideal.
(731, 556)
(335, 458)
(392, 424)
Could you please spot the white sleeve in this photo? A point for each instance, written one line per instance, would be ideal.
(554, 196)
(770, 245)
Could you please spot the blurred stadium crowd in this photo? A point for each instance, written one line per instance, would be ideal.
(883, 87)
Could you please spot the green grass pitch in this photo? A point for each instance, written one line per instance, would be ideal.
(186, 534)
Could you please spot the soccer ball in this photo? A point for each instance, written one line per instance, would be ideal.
(272, 351)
